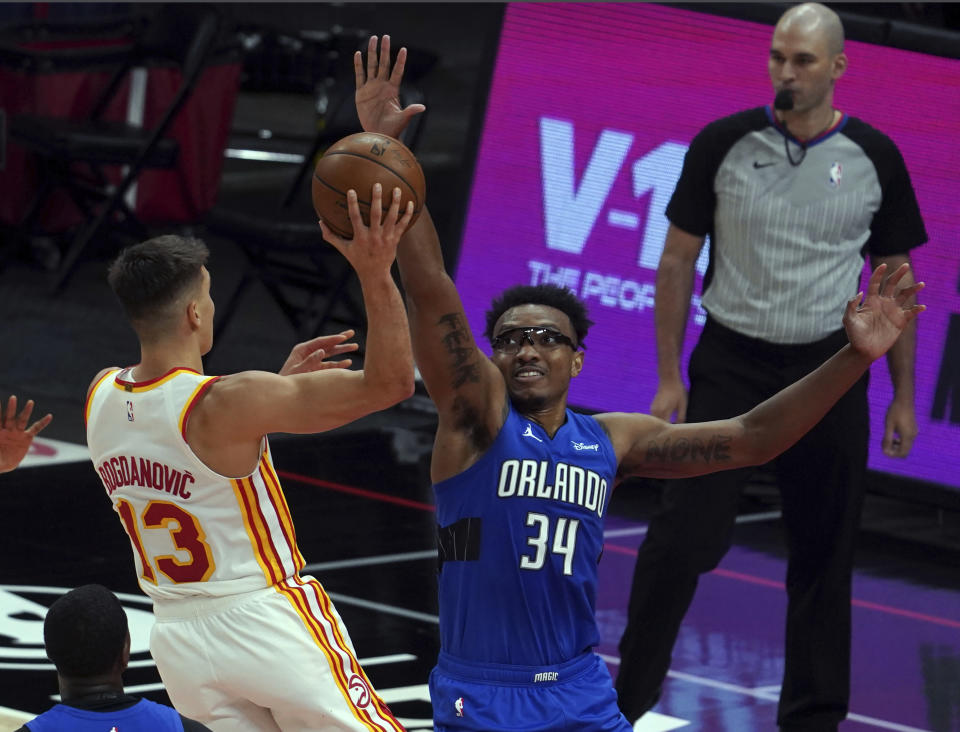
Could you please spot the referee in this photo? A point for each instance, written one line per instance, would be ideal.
(793, 196)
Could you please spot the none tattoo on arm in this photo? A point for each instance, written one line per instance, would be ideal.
(716, 449)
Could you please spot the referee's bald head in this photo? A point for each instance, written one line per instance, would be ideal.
(815, 20)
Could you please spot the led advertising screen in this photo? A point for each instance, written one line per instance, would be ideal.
(591, 109)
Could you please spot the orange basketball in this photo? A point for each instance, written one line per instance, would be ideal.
(358, 161)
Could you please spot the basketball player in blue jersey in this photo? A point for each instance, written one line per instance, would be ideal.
(85, 635)
(522, 483)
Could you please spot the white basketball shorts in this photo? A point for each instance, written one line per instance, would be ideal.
(274, 659)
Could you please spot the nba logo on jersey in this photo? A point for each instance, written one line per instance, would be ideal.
(114, 729)
(836, 171)
(129, 413)
(458, 705)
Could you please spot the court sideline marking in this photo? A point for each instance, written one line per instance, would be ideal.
(764, 693)
(614, 548)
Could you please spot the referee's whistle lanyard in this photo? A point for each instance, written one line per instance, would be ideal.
(788, 136)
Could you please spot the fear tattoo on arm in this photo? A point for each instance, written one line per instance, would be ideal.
(464, 363)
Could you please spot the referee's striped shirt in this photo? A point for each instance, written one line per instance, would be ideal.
(788, 240)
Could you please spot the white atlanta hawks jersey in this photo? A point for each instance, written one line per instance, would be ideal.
(193, 532)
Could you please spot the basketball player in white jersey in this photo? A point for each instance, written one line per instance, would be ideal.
(242, 641)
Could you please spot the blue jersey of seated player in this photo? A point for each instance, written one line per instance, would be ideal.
(144, 716)
(520, 533)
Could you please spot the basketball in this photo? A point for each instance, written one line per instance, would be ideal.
(358, 161)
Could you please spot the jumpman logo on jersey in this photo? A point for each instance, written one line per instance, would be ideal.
(529, 433)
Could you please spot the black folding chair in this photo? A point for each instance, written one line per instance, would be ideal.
(73, 154)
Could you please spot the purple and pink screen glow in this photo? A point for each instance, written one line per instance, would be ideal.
(584, 136)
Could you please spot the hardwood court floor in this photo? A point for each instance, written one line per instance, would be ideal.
(361, 502)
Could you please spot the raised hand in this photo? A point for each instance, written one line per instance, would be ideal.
(310, 355)
(372, 248)
(378, 90)
(15, 436)
(874, 323)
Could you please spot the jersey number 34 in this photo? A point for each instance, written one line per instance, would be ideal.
(564, 541)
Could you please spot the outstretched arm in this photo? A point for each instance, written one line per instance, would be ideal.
(15, 436)
(466, 387)
(651, 447)
(461, 380)
(468, 390)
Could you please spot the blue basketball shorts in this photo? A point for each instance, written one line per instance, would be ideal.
(575, 696)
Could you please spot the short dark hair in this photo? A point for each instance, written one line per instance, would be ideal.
(85, 631)
(552, 296)
(149, 276)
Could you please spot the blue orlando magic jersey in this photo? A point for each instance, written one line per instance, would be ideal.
(520, 533)
(144, 716)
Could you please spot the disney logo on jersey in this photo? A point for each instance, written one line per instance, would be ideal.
(584, 446)
(23, 609)
(562, 482)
